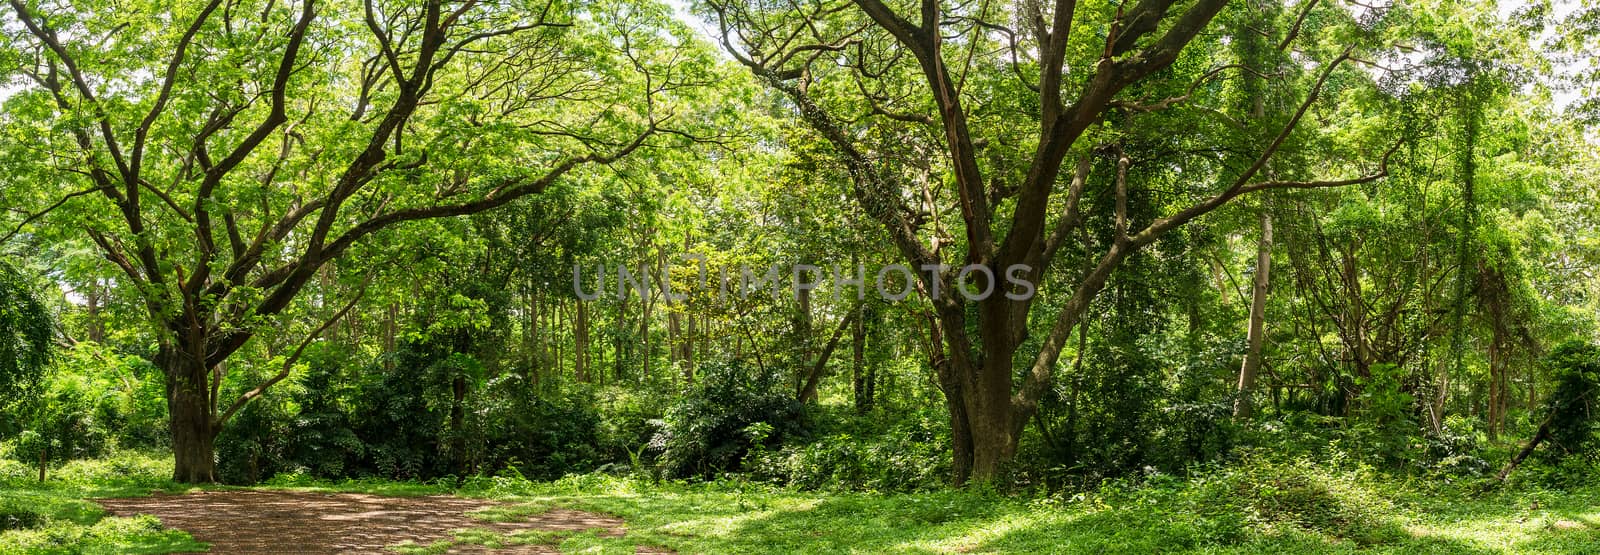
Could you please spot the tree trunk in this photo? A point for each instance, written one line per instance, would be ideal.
(191, 415)
(535, 341)
(620, 343)
(858, 377)
(961, 446)
(580, 340)
(1244, 405)
(688, 350)
(1496, 413)
(97, 327)
(989, 415)
(1538, 437)
(458, 439)
(674, 336)
(1495, 297)
(804, 341)
(649, 302)
(808, 392)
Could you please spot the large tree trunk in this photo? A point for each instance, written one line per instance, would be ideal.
(191, 415)
(989, 413)
(1244, 406)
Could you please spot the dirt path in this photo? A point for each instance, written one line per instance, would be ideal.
(260, 522)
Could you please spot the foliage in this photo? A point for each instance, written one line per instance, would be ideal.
(66, 428)
(58, 517)
(542, 438)
(1456, 451)
(1571, 407)
(25, 341)
(92, 401)
(708, 431)
(343, 245)
(906, 454)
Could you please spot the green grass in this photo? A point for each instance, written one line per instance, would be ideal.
(1248, 508)
(703, 520)
(63, 522)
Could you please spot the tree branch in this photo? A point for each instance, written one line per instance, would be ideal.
(288, 364)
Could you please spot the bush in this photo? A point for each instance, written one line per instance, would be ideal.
(542, 438)
(66, 425)
(93, 400)
(706, 430)
(1454, 451)
(629, 419)
(909, 456)
(1272, 497)
(1571, 407)
(393, 419)
(16, 518)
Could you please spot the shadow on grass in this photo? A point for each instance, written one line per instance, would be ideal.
(170, 541)
(954, 522)
(1568, 533)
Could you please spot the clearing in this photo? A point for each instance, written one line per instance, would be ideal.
(259, 522)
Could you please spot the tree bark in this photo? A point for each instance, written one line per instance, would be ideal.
(804, 341)
(192, 415)
(859, 374)
(961, 446)
(580, 340)
(688, 349)
(989, 413)
(458, 440)
(1244, 404)
(97, 327)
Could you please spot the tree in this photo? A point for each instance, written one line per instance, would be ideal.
(865, 77)
(1244, 406)
(221, 157)
(26, 334)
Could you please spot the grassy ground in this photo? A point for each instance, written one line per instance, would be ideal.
(55, 518)
(1253, 508)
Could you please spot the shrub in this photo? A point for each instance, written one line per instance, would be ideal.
(16, 518)
(543, 438)
(1571, 407)
(1454, 451)
(705, 431)
(1300, 495)
(66, 425)
(908, 456)
(629, 418)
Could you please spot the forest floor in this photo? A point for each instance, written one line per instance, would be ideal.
(246, 522)
(124, 505)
